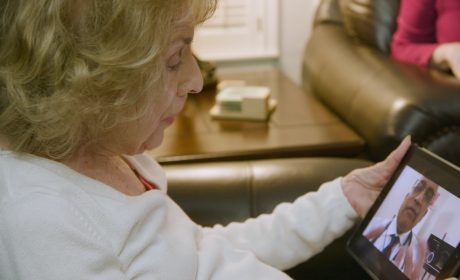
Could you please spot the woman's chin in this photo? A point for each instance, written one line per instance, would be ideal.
(143, 148)
(152, 143)
(153, 147)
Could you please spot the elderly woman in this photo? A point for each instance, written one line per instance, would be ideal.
(85, 88)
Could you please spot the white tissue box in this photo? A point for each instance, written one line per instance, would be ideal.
(243, 102)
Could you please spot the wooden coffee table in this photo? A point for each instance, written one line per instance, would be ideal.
(299, 126)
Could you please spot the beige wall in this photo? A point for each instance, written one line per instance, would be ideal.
(296, 20)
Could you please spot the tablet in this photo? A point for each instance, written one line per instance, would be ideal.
(413, 229)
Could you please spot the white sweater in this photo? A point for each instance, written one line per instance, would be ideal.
(58, 224)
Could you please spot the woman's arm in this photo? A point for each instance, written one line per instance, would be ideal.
(294, 231)
(415, 38)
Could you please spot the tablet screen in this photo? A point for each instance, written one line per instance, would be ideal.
(413, 229)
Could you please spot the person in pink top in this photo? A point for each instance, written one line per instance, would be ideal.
(428, 34)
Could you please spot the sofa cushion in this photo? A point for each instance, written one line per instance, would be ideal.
(370, 21)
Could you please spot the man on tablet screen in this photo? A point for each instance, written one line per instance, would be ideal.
(395, 237)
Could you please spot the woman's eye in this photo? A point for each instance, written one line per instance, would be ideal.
(176, 66)
(175, 61)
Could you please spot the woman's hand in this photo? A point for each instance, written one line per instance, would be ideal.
(447, 56)
(362, 186)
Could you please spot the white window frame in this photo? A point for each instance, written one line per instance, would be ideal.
(257, 38)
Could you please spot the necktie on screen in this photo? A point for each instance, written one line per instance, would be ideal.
(387, 250)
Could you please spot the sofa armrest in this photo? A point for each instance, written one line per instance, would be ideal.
(382, 99)
(219, 193)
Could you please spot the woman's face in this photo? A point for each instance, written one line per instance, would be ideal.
(183, 76)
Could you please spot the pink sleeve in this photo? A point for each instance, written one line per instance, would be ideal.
(415, 38)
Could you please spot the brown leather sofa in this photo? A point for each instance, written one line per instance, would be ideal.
(346, 65)
(219, 193)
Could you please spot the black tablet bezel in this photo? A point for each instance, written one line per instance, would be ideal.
(433, 167)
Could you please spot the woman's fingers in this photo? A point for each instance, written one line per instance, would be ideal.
(393, 160)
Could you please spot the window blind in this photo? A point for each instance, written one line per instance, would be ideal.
(239, 29)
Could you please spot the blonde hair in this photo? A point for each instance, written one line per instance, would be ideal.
(70, 71)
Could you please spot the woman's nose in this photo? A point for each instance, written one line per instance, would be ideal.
(196, 83)
(192, 80)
